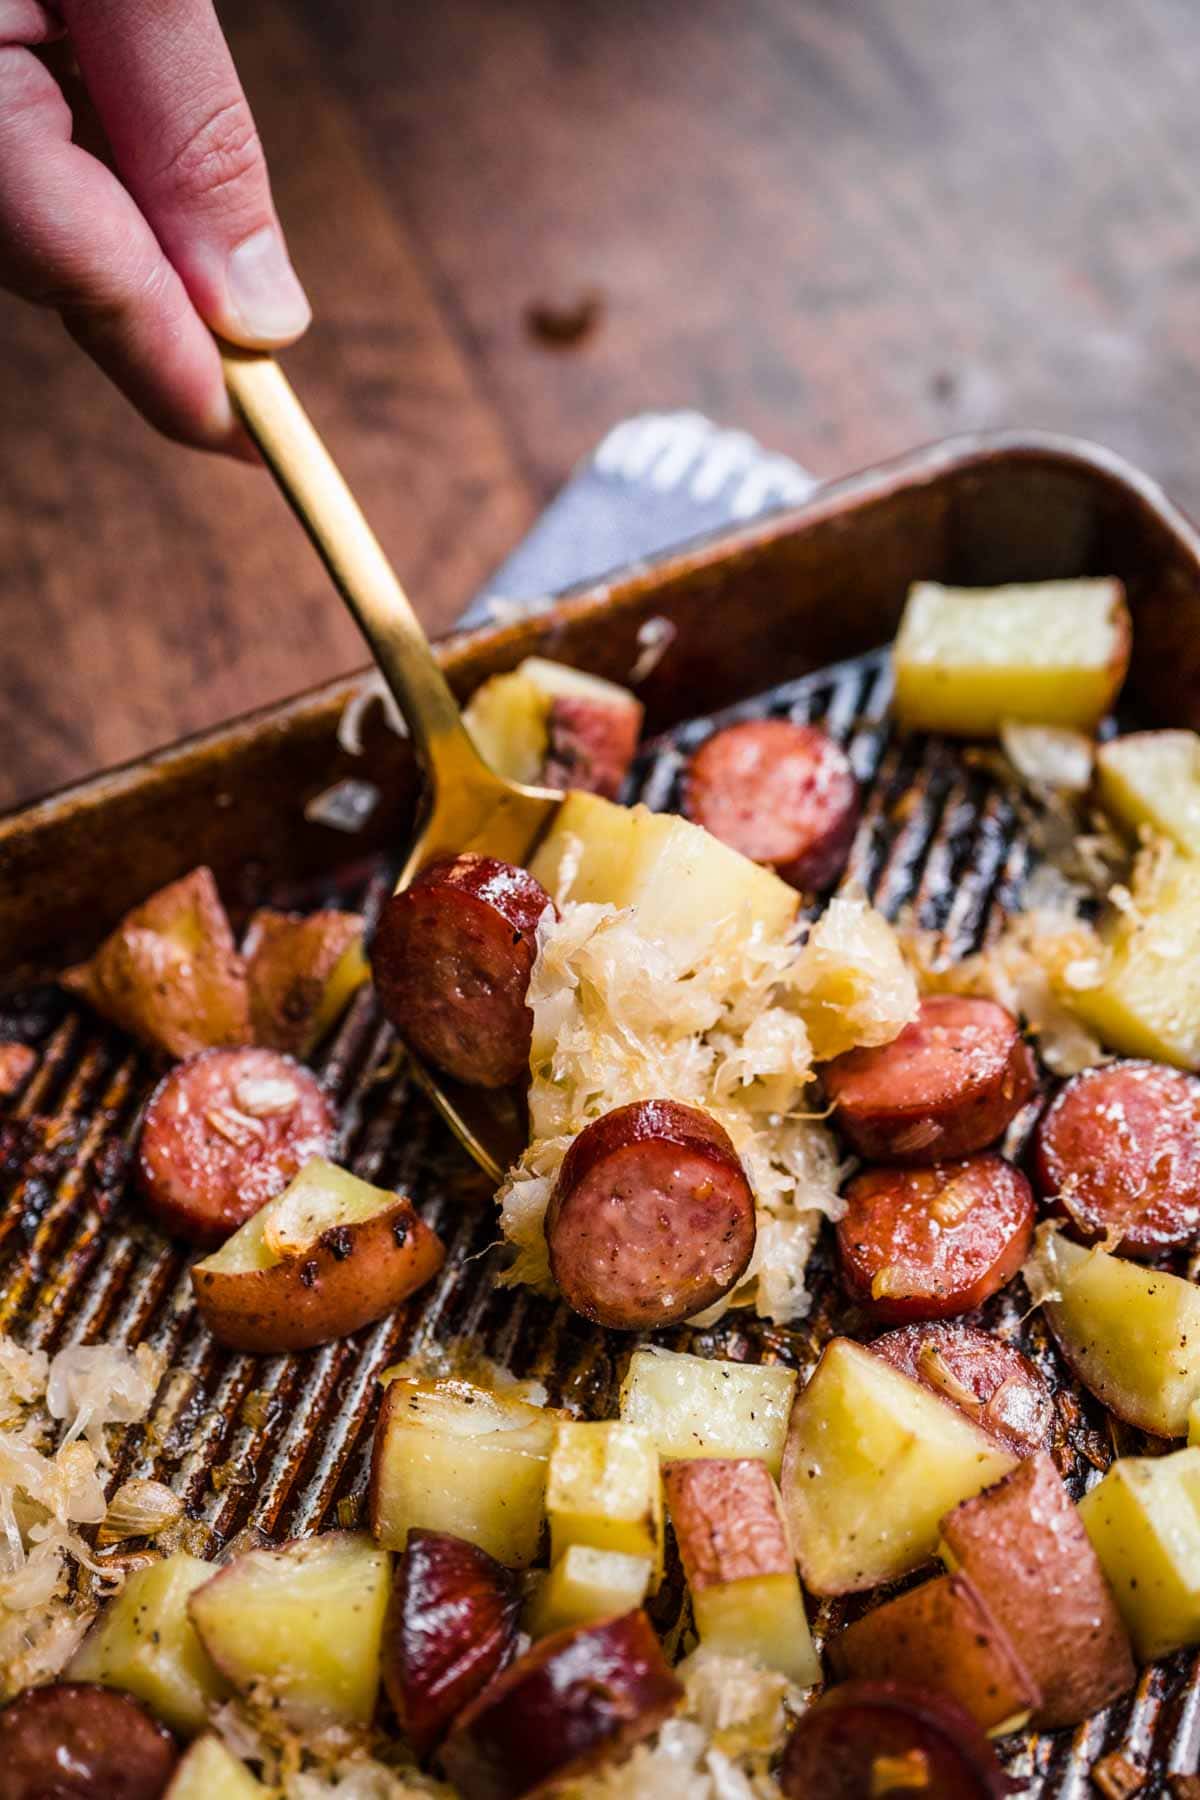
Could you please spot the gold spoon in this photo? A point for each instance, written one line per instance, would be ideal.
(466, 806)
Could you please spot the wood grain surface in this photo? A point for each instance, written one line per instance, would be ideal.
(848, 225)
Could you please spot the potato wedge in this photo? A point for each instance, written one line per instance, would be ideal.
(586, 1584)
(302, 1624)
(734, 1547)
(1131, 1334)
(603, 1489)
(1019, 1543)
(873, 1461)
(701, 1406)
(453, 1457)
(302, 973)
(1143, 1520)
(944, 1630)
(630, 856)
(1050, 653)
(144, 1643)
(328, 1255)
(170, 973)
(211, 1772)
(1145, 1000)
(1152, 779)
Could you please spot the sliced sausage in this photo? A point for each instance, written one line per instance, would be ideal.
(989, 1380)
(592, 743)
(72, 1741)
(1118, 1151)
(580, 1697)
(929, 1243)
(651, 1219)
(452, 958)
(224, 1133)
(867, 1740)
(951, 1083)
(780, 793)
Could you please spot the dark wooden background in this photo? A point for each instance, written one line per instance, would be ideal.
(848, 225)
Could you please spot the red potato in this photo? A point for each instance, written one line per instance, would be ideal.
(782, 794)
(301, 972)
(225, 1132)
(728, 1521)
(651, 1219)
(451, 1627)
(329, 1255)
(929, 1243)
(72, 1741)
(987, 1379)
(580, 1697)
(452, 957)
(951, 1083)
(871, 1739)
(170, 973)
(944, 1629)
(1118, 1152)
(17, 1063)
(1023, 1547)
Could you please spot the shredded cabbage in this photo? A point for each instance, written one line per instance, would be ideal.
(728, 1027)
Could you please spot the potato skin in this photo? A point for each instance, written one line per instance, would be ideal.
(728, 1520)
(349, 1277)
(1024, 1548)
(290, 962)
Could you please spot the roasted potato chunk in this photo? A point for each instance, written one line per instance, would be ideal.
(1144, 1522)
(1145, 999)
(555, 725)
(170, 973)
(211, 1772)
(603, 1489)
(701, 1406)
(1051, 653)
(734, 1547)
(586, 1584)
(328, 1255)
(302, 1625)
(873, 1461)
(144, 1642)
(302, 973)
(1151, 780)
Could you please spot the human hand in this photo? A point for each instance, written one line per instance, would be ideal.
(143, 264)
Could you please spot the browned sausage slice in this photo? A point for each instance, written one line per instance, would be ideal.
(868, 1740)
(580, 1697)
(592, 743)
(987, 1379)
(224, 1133)
(929, 1243)
(951, 1083)
(780, 793)
(651, 1219)
(452, 958)
(1118, 1151)
(72, 1741)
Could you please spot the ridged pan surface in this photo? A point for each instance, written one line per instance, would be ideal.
(282, 1444)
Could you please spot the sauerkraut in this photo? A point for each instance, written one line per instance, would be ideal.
(731, 1025)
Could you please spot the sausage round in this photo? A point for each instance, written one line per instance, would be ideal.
(989, 1380)
(72, 1741)
(929, 1243)
(1118, 1151)
(782, 794)
(452, 957)
(651, 1219)
(224, 1133)
(889, 1738)
(950, 1084)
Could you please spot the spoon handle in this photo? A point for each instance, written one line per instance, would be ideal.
(329, 513)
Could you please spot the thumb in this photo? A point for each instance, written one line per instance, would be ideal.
(162, 80)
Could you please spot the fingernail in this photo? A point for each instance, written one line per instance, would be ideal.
(264, 290)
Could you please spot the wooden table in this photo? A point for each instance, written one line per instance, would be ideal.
(848, 225)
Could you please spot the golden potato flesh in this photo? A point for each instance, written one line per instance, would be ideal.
(586, 1584)
(1151, 780)
(302, 973)
(873, 1462)
(603, 1489)
(1131, 1334)
(453, 1457)
(1051, 653)
(1144, 1522)
(144, 1643)
(1145, 999)
(702, 1406)
(211, 1772)
(170, 973)
(303, 1625)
